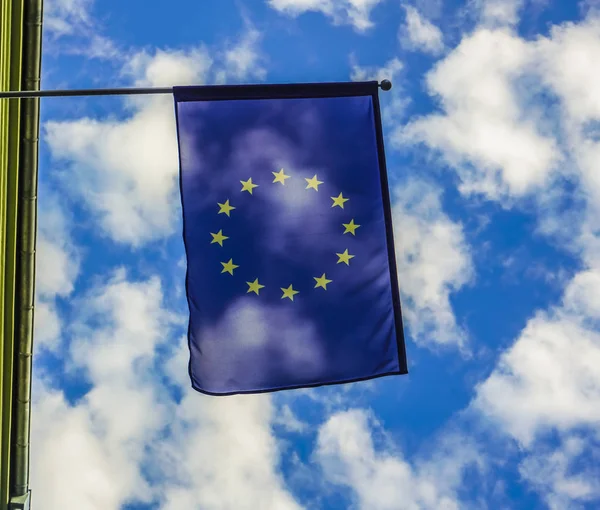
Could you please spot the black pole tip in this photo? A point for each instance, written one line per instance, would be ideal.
(386, 85)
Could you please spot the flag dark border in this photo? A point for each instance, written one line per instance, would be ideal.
(389, 228)
(305, 91)
(274, 91)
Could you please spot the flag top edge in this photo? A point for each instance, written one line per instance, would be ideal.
(274, 91)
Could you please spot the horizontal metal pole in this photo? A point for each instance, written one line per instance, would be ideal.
(86, 92)
(17, 94)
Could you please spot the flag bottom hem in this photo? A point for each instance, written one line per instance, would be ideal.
(297, 387)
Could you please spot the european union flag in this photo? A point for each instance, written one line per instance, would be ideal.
(291, 276)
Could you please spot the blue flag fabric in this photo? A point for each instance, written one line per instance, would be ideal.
(291, 276)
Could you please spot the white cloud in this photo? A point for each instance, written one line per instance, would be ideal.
(289, 421)
(222, 453)
(242, 59)
(102, 439)
(499, 12)
(63, 17)
(547, 385)
(351, 12)
(567, 62)
(58, 258)
(57, 268)
(420, 34)
(389, 71)
(434, 260)
(166, 68)
(71, 467)
(394, 102)
(133, 324)
(72, 20)
(496, 146)
(589, 6)
(552, 474)
(223, 456)
(47, 325)
(127, 440)
(432, 9)
(501, 134)
(549, 379)
(581, 297)
(381, 478)
(567, 65)
(126, 170)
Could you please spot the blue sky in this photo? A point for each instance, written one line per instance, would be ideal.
(492, 134)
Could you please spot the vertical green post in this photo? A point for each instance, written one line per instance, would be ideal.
(11, 46)
(26, 242)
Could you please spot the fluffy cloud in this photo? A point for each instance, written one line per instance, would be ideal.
(394, 102)
(381, 478)
(499, 12)
(496, 147)
(497, 129)
(506, 142)
(72, 21)
(62, 16)
(58, 262)
(548, 379)
(555, 475)
(389, 71)
(101, 451)
(420, 34)
(71, 467)
(433, 261)
(566, 64)
(351, 12)
(222, 453)
(103, 437)
(242, 60)
(126, 170)
(547, 384)
(47, 324)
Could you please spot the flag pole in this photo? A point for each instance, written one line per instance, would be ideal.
(132, 91)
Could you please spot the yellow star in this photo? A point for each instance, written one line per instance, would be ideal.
(254, 286)
(248, 185)
(280, 176)
(322, 281)
(339, 200)
(225, 208)
(218, 238)
(350, 227)
(344, 257)
(289, 293)
(313, 183)
(228, 267)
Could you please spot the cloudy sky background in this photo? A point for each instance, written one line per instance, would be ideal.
(493, 144)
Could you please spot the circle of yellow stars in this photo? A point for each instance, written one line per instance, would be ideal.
(280, 177)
